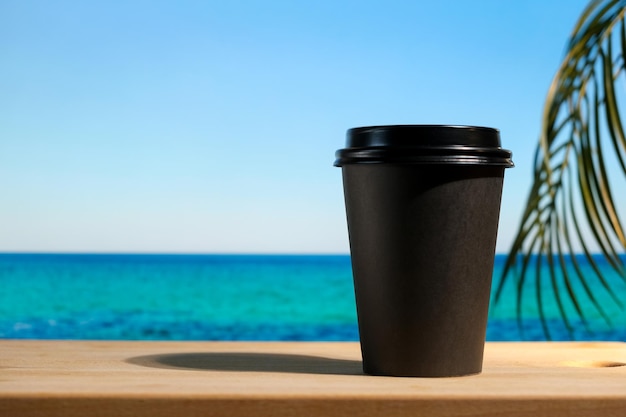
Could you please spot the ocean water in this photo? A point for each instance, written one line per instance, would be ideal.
(241, 297)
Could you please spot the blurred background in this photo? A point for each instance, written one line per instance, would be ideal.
(211, 126)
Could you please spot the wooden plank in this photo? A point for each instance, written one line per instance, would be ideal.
(110, 378)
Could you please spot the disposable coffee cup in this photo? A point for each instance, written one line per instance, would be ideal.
(422, 205)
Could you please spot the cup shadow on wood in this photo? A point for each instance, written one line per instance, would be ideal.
(250, 362)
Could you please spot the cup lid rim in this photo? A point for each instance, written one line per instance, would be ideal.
(460, 144)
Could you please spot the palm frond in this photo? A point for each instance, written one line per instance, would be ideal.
(571, 207)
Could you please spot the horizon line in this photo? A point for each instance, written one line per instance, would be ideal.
(191, 253)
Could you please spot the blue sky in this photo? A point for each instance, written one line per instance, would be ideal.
(211, 126)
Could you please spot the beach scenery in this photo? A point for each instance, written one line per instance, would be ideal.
(166, 168)
(221, 297)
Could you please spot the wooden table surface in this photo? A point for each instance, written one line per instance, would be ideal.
(111, 378)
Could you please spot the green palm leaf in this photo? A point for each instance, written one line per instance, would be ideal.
(571, 206)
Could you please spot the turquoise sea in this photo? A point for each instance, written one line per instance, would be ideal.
(234, 297)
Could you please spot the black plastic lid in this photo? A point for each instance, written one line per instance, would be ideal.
(423, 144)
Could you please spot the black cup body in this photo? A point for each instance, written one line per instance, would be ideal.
(422, 243)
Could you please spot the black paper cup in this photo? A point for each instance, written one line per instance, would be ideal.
(422, 204)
